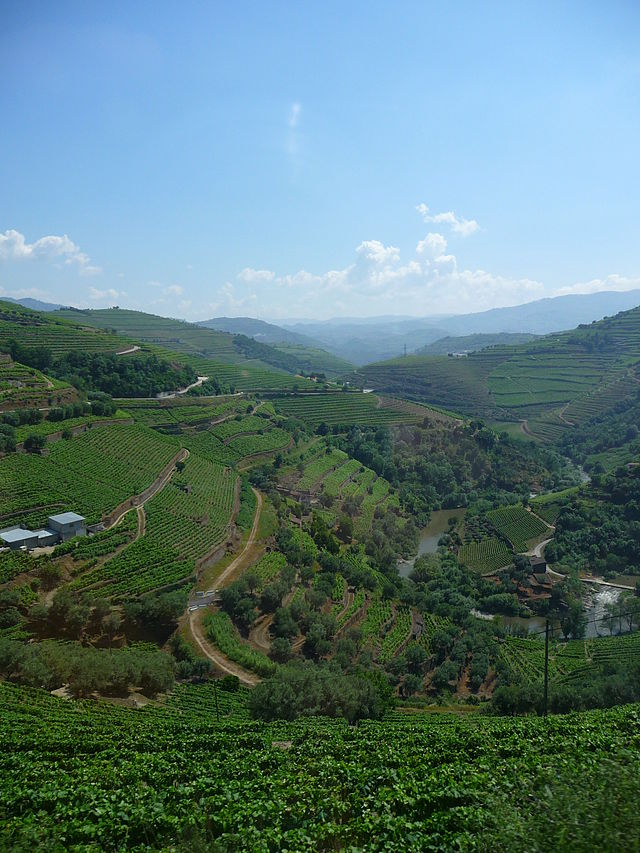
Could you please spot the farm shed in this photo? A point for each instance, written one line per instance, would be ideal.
(17, 537)
(68, 525)
(47, 537)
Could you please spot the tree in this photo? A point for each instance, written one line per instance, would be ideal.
(280, 650)
(284, 625)
(34, 443)
(573, 621)
(345, 528)
(111, 625)
(416, 657)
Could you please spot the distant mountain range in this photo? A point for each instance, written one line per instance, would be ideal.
(471, 343)
(259, 330)
(370, 339)
(34, 304)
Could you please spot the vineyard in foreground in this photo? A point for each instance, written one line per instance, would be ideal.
(92, 776)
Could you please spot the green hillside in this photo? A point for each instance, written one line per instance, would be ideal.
(55, 332)
(93, 776)
(550, 384)
(471, 343)
(207, 350)
(253, 555)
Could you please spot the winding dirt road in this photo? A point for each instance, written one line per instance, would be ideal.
(195, 616)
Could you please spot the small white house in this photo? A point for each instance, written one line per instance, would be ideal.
(68, 525)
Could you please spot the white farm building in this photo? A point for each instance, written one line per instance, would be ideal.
(60, 528)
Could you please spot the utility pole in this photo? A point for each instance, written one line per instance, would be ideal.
(546, 666)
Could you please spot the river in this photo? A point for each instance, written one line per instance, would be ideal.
(430, 536)
(595, 601)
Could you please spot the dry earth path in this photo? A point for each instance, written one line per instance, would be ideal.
(195, 616)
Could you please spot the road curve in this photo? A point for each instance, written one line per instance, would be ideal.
(195, 616)
(221, 661)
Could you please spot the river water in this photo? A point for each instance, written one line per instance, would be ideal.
(595, 600)
(596, 595)
(430, 536)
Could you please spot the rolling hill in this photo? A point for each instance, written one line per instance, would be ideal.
(208, 350)
(550, 384)
(266, 333)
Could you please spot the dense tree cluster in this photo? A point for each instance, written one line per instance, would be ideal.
(139, 375)
(600, 529)
(84, 670)
(302, 690)
(435, 466)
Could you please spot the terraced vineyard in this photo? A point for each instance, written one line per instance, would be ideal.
(316, 471)
(517, 525)
(548, 506)
(344, 409)
(60, 336)
(179, 411)
(552, 382)
(569, 662)
(186, 520)
(93, 473)
(457, 384)
(208, 352)
(315, 784)
(399, 634)
(47, 428)
(150, 328)
(26, 387)
(485, 556)
(269, 567)
(240, 446)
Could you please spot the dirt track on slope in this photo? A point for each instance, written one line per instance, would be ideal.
(221, 661)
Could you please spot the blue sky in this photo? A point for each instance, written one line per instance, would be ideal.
(316, 159)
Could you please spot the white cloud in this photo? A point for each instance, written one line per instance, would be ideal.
(174, 290)
(13, 246)
(25, 292)
(292, 140)
(379, 280)
(377, 252)
(250, 275)
(294, 115)
(464, 227)
(611, 282)
(97, 295)
(434, 245)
